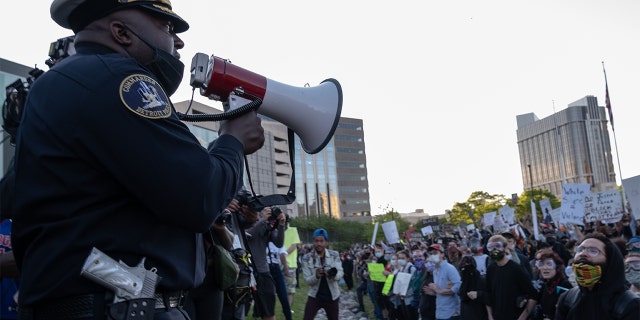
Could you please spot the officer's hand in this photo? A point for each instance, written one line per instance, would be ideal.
(247, 129)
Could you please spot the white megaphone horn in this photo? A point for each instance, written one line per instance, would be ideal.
(311, 112)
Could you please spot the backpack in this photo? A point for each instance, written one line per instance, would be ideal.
(571, 297)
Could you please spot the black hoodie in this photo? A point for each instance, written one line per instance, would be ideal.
(598, 303)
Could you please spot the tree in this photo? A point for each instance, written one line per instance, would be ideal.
(523, 208)
(473, 210)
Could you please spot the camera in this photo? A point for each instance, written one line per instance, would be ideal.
(331, 272)
(275, 212)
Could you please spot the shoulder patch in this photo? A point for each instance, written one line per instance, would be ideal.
(145, 97)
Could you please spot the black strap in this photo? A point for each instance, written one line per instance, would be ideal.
(277, 199)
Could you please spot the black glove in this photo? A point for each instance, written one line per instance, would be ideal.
(332, 272)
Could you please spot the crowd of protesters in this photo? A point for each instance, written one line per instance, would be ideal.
(506, 274)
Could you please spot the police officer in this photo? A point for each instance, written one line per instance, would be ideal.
(103, 161)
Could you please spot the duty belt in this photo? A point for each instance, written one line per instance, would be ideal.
(88, 306)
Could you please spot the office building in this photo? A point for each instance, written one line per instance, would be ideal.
(334, 181)
(571, 145)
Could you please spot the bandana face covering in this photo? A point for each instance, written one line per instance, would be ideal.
(587, 275)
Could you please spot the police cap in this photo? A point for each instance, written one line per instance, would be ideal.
(77, 14)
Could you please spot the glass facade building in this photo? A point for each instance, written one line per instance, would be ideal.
(571, 145)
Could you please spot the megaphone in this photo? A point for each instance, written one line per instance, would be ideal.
(311, 112)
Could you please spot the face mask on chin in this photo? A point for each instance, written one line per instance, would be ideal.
(167, 68)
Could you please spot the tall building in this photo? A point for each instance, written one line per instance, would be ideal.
(571, 145)
(334, 181)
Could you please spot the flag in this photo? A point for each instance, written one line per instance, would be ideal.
(607, 101)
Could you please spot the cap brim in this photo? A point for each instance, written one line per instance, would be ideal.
(179, 24)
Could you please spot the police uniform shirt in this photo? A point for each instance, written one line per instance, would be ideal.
(102, 160)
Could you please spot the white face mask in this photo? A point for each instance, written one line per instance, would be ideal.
(435, 258)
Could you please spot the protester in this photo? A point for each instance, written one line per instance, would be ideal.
(322, 269)
(428, 297)
(9, 274)
(348, 268)
(549, 268)
(601, 291)
(632, 271)
(446, 283)
(472, 291)
(510, 294)
(516, 256)
(100, 147)
(402, 309)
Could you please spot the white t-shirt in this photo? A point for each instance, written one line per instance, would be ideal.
(481, 263)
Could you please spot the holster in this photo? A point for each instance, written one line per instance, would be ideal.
(134, 309)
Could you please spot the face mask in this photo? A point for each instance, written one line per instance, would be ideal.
(509, 256)
(167, 68)
(568, 271)
(393, 262)
(378, 254)
(429, 266)
(402, 262)
(387, 257)
(587, 275)
(419, 263)
(633, 277)
(435, 258)
(496, 255)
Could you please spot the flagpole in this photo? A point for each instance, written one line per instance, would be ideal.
(615, 141)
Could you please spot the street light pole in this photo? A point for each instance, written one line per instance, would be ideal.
(534, 215)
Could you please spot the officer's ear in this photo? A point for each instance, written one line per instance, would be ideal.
(120, 33)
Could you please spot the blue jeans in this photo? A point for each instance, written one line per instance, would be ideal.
(281, 289)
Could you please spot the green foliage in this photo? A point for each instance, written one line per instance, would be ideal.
(478, 203)
(343, 233)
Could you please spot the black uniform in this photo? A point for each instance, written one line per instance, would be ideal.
(102, 160)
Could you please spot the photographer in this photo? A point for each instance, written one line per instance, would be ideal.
(269, 228)
(322, 269)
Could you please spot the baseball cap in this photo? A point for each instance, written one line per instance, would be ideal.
(435, 246)
(508, 235)
(548, 231)
(77, 14)
(321, 232)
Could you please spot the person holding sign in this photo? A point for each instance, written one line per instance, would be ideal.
(402, 297)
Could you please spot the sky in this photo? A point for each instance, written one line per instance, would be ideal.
(438, 84)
